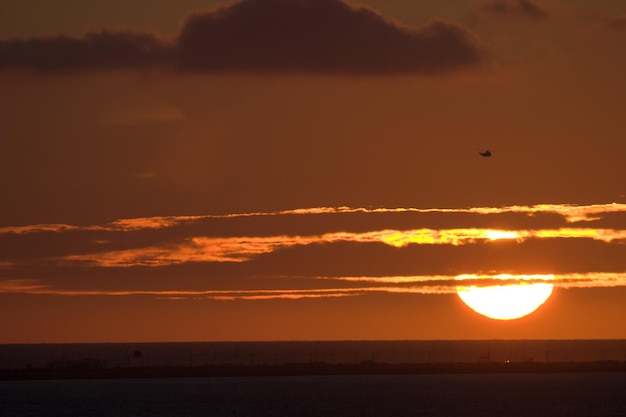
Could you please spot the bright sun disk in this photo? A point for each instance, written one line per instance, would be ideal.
(506, 301)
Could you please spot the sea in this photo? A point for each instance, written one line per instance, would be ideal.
(499, 394)
(534, 394)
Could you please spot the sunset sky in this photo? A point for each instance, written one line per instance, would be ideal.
(309, 169)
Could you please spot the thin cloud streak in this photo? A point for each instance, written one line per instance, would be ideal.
(466, 236)
(242, 249)
(122, 225)
(424, 285)
(565, 281)
(182, 294)
(570, 212)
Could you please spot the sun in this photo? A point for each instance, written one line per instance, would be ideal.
(518, 297)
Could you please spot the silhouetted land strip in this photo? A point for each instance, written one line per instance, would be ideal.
(322, 368)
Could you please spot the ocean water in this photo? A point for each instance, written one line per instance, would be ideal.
(553, 395)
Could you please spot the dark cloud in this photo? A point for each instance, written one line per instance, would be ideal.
(278, 36)
(319, 36)
(94, 51)
(522, 8)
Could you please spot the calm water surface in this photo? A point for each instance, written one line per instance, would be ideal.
(588, 394)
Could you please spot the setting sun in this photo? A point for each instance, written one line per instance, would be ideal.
(506, 301)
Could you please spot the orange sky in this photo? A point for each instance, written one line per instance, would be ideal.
(152, 155)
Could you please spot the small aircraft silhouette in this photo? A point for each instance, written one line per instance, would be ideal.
(485, 154)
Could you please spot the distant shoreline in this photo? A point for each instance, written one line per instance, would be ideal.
(310, 369)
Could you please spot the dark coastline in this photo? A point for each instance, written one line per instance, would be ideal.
(310, 369)
(224, 359)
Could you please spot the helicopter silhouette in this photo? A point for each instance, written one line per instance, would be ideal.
(485, 154)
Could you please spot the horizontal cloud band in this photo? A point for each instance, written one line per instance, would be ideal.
(570, 212)
(437, 284)
(244, 248)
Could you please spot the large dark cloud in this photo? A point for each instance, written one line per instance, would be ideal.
(310, 36)
(319, 36)
(521, 8)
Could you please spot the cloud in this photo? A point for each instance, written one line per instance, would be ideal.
(104, 50)
(266, 36)
(25, 286)
(426, 284)
(571, 213)
(241, 247)
(320, 36)
(318, 253)
(514, 8)
(246, 248)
